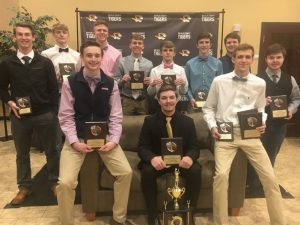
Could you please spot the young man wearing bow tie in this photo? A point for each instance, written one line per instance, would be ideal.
(202, 69)
(91, 96)
(61, 53)
(168, 67)
(134, 102)
(230, 93)
(29, 75)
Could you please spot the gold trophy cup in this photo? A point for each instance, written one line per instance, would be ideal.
(176, 192)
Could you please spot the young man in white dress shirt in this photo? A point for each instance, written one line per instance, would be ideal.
(230, 93)
(61, 53)
(168, 67)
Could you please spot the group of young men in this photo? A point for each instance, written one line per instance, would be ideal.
(100, 89)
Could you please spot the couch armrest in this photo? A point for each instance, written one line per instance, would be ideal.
(90, 173)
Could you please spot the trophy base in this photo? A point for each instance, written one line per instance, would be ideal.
(181, 216)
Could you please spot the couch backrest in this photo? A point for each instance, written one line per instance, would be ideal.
(132, 126)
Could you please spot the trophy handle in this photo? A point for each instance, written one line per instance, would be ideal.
(182, 192)
(169, 190)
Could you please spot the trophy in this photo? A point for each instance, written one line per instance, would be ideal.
(176, 192)
(176, 214)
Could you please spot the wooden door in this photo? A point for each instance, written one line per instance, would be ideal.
(288, 35)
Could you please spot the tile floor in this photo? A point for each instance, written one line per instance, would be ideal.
(254, 211)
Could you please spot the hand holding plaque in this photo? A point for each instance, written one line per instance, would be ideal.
(95, 134)
(171, 149)
(66, 69)
(279, 106)
(249, 121)
(225, 130)
(200, 97)
(24, 105)
(136, 80)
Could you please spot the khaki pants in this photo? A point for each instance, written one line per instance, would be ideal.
(70, 164)
(256, 154)
(134, 107)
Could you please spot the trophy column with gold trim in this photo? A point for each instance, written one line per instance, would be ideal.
(175, 213)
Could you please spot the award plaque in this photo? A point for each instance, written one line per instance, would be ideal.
(225, 130)
(249, 121)
(24, 104)
(171, 149)
(66, 69)
(200, 98)
(175, 213)
(95, 134)
(279, 107)
(137, 80)
(168, 79)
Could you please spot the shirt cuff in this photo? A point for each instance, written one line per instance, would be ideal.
(72, 139)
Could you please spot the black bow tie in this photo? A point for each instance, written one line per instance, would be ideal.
(237, 78)
(63, 49)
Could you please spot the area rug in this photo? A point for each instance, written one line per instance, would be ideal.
(259, 193)
(41, 193)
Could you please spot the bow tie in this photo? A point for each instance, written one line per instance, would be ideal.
(94, 79)
(168, 66)
(63, 49)
(202, 59)
(237, 78)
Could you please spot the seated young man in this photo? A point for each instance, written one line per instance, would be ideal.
(149, 150)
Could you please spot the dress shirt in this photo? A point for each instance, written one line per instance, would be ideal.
(226, 97)
(200, 73)
(61, 57)
(20, 55)
(294, 100)
(66, 113)
(110, 60)
(124, 66)
(159, 70)
(227, 64)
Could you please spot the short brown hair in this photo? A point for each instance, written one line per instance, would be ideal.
(167, 44)
(88, 44)
(233, 35)
(205, 35)
(275, 49)
(101, 22)
(166, 87)
(243, 47)
(59, 26)
(136, 37)
(26, 25)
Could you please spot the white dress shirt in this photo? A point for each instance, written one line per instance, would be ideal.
(226, 97)
(159, 70)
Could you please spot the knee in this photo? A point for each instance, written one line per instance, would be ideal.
(148, 173)
(221, 178)
(67, 183)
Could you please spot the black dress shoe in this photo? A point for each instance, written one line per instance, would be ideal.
(154, 221)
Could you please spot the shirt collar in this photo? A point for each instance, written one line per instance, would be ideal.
(234, 74)
(270, 73)
(30, 54)
(57, 47)
(133, 58)
(85, 74)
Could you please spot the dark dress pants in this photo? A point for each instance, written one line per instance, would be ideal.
(149, 185)
(45, 126)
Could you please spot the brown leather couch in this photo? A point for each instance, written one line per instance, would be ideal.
(97, 183)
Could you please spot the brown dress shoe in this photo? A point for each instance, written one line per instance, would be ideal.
(20, 197)
(90, 216)
(126, 222)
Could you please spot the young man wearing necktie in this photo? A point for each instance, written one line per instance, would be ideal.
(29, 75)
(134, 102)
(278, 82)
(91, 96)
(202, 69)
(152, 164)
(226, 97)
(168, 67)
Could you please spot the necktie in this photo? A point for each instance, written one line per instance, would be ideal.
(26, 60)
(168, 66)
(92, 81)
(169, 127)
(237, 78)
(63, 49)
(274, 78)
(136, 67)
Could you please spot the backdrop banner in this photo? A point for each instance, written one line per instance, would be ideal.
(181, 28)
